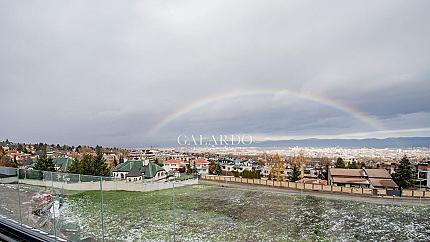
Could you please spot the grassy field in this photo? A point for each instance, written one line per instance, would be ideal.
(210, 213)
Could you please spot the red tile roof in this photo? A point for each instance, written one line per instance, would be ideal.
(172, 161)
(201, 161)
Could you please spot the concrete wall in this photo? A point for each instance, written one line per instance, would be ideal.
(367, 191)
(346, 189)
(418, 193)
(357, 190)
(382, 192)
(326, 188)
(110, 185)
(292, 185)
(317, 187)
(8, 180)
(336, 189)
(407, 193)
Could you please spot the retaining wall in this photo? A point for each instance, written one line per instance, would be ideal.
(109, 185)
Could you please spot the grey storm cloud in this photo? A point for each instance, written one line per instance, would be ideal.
(108, 72)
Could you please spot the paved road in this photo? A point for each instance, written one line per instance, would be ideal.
(327, 195)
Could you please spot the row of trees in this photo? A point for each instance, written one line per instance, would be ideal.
(90, 165)
(340, 163)
(248, 174)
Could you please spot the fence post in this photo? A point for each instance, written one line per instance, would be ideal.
(101, 207)
(19, 199)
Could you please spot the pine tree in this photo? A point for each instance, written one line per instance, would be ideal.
(295, 174)
(85, 165)
(98, 164)
(403, 175)
(340, 163)
(44, 163)
(76, 167)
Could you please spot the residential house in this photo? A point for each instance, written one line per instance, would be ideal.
(365, 178)
(265, 170)
(202, 166)
(311, 172)
(348, 177)
(138, 170)
(173, 165)
(423, 171)
(380, 178)
(236, 165)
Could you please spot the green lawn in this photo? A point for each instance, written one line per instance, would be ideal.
(210, 213)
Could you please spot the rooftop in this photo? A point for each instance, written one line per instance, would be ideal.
(347, 172)
(377, 182)
(377, 173)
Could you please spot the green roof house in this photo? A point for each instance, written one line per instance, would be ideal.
(152, 170)
(137, 170)
(62, 163)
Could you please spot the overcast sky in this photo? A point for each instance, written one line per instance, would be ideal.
(110, 72)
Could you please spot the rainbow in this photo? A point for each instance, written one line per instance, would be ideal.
(365, 118)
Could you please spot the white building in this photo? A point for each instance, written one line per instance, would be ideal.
(174, 164)
(202, 166)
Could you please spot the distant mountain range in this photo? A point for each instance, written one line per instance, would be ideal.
(400, 142)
